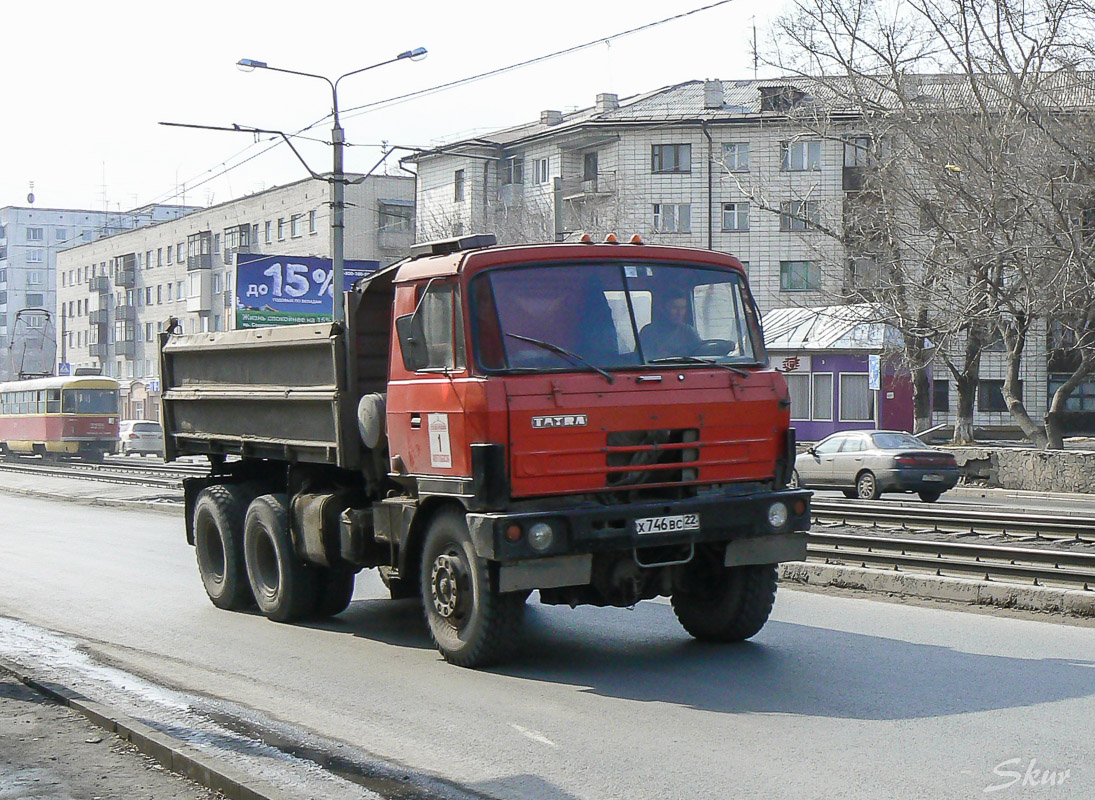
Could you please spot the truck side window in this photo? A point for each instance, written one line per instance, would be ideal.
(444, 340)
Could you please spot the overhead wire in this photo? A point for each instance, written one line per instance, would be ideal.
(355, 111)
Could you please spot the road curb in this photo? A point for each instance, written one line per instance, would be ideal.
(172, 754)
(110, 502)
(936, 587)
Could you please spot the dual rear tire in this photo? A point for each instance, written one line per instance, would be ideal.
(246, 558)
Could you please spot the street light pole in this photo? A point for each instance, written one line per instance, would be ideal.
(337, 179)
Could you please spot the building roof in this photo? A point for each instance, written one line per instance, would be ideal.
(697, 100)
(851, 327)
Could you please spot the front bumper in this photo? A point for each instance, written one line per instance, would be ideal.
(596, 529)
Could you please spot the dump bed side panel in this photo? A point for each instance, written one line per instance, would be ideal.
(261, 392)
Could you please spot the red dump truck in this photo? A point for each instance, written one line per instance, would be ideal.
(595, 422)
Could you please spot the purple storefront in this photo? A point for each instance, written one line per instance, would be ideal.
(838, 369)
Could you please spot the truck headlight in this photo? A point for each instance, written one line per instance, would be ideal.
(777, 515)
(540, 536)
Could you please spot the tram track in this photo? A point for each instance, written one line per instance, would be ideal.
(1040, 549)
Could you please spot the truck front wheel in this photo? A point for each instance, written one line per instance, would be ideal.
(218, 544)
(284, 586)
(725, 604)
(472, 624)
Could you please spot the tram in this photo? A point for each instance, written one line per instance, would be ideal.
(59, 417)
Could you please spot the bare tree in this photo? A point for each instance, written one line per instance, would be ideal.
(968, 113)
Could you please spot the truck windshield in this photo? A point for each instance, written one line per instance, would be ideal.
(89, 401)
(612, 315)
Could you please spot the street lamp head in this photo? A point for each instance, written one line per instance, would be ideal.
(250, 64)
(417, 54)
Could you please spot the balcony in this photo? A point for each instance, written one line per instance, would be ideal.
(124, 313)
(98, 350)
(199, 250)
(125, 278)
(579, 190)
(98, 317)
(395, 240)
(199, 292)
(511, 194)
(200, 261)
(125, 349)
(100, 284)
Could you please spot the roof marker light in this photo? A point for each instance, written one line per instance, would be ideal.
(586, 239)
(636, 239)
(611, 239)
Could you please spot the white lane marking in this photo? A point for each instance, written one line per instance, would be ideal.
(536, 737)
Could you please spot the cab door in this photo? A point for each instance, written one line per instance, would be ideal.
(426, 423)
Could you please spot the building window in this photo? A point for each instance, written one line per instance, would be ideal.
(941, 396)
(1082, 397)
(513, 170)
(35, 256)
(856, 399)
(35, 235)
(799, 215)
(179, 250)
(147, 295)
(169, 288)
(159, 256)
(61, 234)
(672, 218)
(542, 170)
(312, 222)
(159, 294)
(735, 155)
(798, 384)
(821, 408)
(864, 273)
(34, 277)
(735, 216)
(798, 276)
(294, 226)
(148, 259)
(670, 158)
(269, 231)
(990, 395)
(35, 300)
(217, 283)
(395, 218)
(458, 185)
(281, 229)
(801, 156)
(148, 332)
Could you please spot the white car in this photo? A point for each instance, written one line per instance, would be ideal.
(140, 436)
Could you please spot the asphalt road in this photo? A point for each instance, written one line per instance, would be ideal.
(837, 697)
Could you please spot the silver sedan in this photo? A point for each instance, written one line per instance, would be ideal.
(865, 464)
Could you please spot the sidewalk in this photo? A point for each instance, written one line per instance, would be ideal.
(52, 752)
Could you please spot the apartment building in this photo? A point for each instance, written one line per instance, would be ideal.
(114, 295)
(30, 240)
(716, 164)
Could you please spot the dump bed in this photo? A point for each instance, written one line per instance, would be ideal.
(276, 393)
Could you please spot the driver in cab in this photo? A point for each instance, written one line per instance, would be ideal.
(670, 333)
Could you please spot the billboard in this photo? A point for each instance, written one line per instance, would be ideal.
(288, 290)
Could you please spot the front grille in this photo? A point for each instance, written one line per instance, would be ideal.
(659, 456)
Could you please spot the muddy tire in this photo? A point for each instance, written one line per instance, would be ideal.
(218, 544)
(283, 585)
(725, 604)
(471, 624)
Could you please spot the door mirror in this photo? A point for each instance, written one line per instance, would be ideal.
(812, 451)
(412, 342)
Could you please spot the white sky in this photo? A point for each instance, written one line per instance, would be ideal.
(85, 84)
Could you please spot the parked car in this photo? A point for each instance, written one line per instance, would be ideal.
(865, 464)
(140, 436)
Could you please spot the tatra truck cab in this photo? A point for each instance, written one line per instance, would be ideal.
(594, 422)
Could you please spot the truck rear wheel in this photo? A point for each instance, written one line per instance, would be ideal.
(472, 624)
(284, 586)
(218, 545)
(334, 591)
(725, 604)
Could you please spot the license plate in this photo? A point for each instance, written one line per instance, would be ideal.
(669, 524)
(933, 477)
